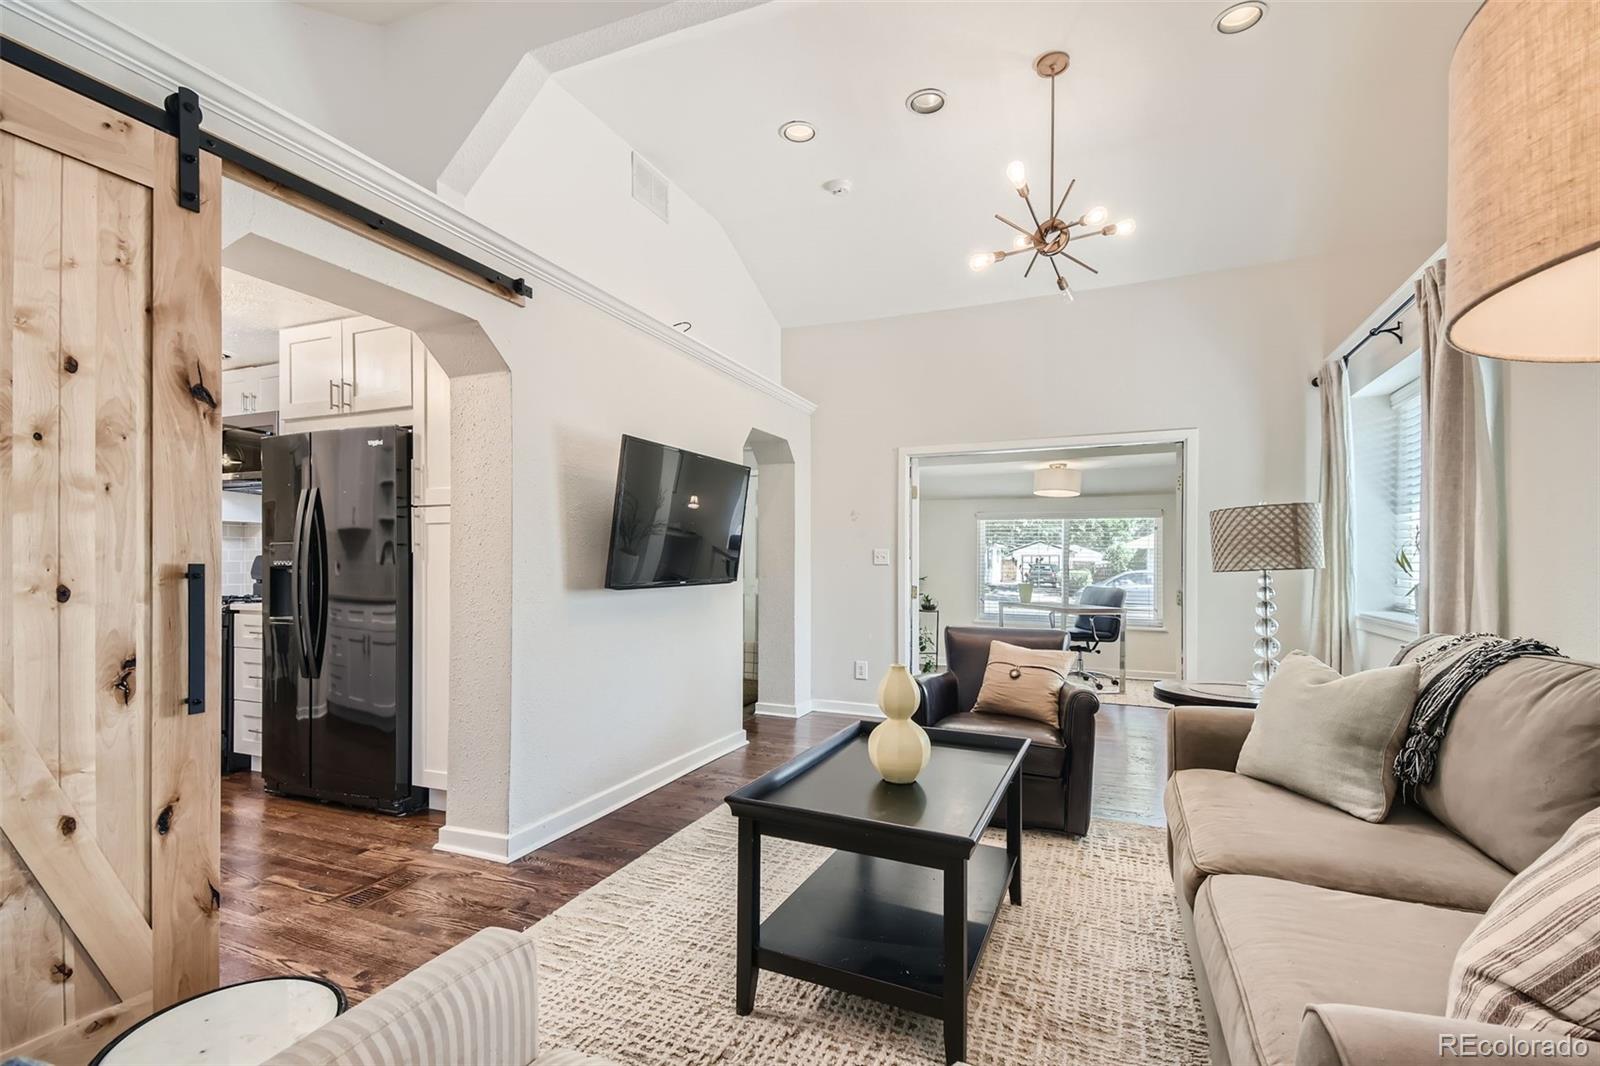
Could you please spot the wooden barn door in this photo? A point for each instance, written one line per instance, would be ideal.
(110, 321)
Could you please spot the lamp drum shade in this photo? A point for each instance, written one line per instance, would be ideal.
(1058, 480)
(1523, 213)
(1267, 536)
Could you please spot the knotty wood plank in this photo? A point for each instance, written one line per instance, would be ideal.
(104, 387)
(43, 826)
(84, 1037)
(32, 999)
(186, 495)
(47, 114)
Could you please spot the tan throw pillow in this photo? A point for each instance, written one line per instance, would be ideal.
(1331, 737)
(1531, 963)
(1023, 682)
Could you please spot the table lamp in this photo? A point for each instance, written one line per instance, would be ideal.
(1266, 537)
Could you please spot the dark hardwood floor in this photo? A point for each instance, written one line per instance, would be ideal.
(363, 898)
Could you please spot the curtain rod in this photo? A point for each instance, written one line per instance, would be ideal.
(1382, 327)
(159, 118)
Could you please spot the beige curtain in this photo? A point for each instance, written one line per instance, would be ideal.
(1333, 636)
(1462, 552)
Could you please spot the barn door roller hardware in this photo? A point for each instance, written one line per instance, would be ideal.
(183, 112)
(181, 117)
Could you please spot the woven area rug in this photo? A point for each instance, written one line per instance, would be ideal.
(1090, 970)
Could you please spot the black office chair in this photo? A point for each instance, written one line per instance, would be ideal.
(1089, 631)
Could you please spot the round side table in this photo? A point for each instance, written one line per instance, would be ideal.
(1206, 694)
(240, 1024)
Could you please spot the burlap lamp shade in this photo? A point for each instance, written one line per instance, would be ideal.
(1523, 216)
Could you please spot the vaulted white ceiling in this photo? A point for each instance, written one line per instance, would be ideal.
(1321, 129)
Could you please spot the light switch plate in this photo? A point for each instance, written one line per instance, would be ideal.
(880, 556)
(861, 669)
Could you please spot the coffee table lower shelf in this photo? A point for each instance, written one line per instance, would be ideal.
(874, 927)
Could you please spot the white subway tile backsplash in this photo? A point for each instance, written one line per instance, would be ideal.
(241, 543)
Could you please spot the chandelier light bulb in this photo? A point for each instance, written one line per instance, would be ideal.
(1022, 242)
(1017, 175)
(982, 261)
(1125, 227)
(1095, 216)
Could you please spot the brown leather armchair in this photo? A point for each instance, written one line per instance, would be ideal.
(1058, 771)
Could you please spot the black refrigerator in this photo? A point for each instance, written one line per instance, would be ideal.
(336, 666)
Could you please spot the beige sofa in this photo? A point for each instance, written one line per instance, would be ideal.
(475, 1005)
(1319, 939)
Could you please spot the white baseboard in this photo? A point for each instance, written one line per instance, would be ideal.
(437, 799)
(478, 843)
(783, 710)
(860, 710)
(505, 848)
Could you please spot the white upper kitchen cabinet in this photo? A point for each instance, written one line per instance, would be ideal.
(311, 370)
(356, 365)
(249, 390)
(377, 365)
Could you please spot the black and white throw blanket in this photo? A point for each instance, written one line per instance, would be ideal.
(1449, 669)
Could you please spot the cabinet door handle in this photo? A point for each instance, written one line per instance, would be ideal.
(334, 394)
(345, 389)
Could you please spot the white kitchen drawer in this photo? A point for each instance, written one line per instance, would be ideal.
(247, 683)
(246, 726)
(248, 620)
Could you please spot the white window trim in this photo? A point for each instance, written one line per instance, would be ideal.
(1159, 624)
(1396, 625)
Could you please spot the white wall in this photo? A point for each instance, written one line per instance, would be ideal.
(949, 549)
(614, 689)
(1223, 353)
(562, 185)
(1552, 464)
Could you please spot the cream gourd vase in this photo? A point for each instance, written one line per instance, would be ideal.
(899, 747)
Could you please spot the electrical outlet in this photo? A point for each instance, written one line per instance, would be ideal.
(861, 669)
(880, 556)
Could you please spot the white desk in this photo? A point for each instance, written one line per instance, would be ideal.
(1056, 616)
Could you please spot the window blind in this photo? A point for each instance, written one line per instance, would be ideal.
(1405, 498)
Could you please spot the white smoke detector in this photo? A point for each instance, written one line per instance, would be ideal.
(836, 187)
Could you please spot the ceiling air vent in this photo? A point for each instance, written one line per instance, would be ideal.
(650, 187)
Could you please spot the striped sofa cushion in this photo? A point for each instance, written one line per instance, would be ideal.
(1534, 960)
(476, 1003)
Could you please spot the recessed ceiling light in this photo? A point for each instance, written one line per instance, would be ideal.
(1241, 17)
(797, 132)
(925, 101)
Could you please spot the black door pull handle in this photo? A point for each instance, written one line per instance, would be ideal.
(195, 575)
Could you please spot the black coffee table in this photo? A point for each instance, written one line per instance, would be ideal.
(909, 895)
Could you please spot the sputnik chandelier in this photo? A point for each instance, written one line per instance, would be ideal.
(1051, 236)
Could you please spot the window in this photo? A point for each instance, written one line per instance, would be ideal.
(1386, 447)
(1056, 556)
(1405, 497)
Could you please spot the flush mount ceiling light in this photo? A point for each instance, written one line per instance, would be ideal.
(1051, 236)
(1241, 17)
(797, 132)
(925, 101)
(1058, 480)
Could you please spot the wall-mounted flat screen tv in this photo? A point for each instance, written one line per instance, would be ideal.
(678, 518)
